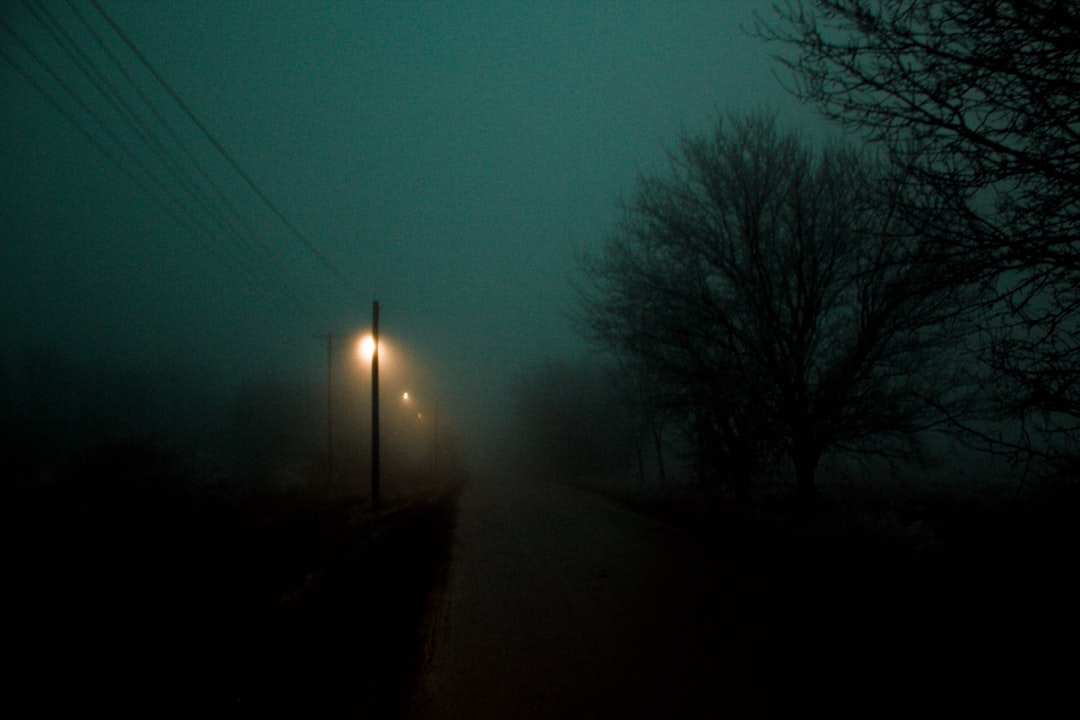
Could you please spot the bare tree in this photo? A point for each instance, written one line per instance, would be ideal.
(764, 286)
(978, 102)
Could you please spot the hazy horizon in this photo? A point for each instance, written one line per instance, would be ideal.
(445, 160)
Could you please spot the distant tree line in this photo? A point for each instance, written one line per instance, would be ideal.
(570, 422)
(97, 423)
(776, 302)
(86, 421)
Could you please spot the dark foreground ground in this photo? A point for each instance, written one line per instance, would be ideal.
(154, 601)
(121, 598)
(564, 604)
(872, 605)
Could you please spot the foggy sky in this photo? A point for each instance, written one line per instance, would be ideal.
(445, 159)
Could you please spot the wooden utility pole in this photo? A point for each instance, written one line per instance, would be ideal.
(375, 411)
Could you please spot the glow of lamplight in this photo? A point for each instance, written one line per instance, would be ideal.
(367, 347)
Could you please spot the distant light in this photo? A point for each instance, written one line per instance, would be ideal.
(405, 395)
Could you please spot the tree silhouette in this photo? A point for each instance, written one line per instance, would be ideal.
(779, 310)
(568, 421)
(978, 104)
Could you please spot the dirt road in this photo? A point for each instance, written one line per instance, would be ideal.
(563, 604)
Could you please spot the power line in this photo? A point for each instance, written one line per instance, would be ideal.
(96, 143)
(225, 153)
(108, 90)
(51, 98)
(168, 200)
(232, 210)
(150, 138)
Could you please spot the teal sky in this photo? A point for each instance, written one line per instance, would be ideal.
(444, 158)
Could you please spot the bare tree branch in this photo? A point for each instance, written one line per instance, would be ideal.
(978, 103)
(775, 298)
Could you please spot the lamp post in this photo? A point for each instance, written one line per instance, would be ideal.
(375, 410)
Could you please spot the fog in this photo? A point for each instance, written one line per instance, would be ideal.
(167, 248)
(789, 431)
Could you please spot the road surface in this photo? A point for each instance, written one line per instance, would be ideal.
(560, 603)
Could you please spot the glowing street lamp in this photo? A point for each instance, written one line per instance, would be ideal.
(374, 355)
(367, 347)
(407, 398)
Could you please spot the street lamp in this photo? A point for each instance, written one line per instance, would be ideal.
(407, 398)
(369, 347)
(366, 349)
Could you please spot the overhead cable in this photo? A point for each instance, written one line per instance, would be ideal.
(330, 267)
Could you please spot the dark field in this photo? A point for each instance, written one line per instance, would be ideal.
(868, 607)
(123, 597)
(150, 601)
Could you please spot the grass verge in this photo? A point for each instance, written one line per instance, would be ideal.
(158, 600)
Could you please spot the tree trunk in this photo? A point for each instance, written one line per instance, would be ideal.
(806, 461)
(658, 444)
